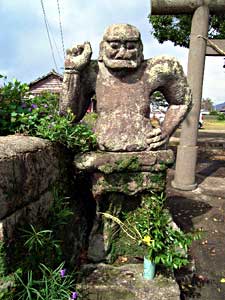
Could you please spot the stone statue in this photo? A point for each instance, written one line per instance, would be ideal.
(123, 82)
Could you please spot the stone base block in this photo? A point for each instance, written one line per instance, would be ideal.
(111, 162)
(126, 283)
(125, 172)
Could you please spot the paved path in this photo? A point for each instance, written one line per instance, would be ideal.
(203, 208)
(212, 138)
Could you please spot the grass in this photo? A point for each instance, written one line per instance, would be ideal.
(211, 123)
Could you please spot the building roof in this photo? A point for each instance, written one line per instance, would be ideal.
(52, 72)
(51, 82)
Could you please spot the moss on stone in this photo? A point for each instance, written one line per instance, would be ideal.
(128, 164)
(125, 182)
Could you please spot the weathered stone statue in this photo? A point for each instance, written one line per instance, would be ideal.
(125, 167)
(123, 82)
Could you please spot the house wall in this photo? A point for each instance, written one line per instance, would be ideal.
(52, 84)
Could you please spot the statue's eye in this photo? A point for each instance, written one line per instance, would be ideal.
(115, 45)
(131, 45)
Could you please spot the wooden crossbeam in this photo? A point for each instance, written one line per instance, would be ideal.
(179, 7)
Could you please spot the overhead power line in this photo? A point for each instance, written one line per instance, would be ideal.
(60, 26)
(60, 57)
(49, 38)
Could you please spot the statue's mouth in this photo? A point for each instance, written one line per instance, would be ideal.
(120, 63)
(122, 59)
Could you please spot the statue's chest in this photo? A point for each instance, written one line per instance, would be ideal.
(112, 92)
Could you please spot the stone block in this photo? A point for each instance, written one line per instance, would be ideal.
(126, 282)
(28, 167)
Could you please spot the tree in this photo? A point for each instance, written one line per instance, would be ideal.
(207, 104)
(177, 29)
(157, 100)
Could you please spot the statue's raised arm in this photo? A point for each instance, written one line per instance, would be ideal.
(75, 93)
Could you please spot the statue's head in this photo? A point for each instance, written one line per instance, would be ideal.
(121, 47)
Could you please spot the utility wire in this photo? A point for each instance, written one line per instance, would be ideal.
(49, 38)
(61, 31)
(54, 42)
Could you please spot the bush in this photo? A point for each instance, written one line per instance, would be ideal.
(221, 116)
(148, 231)
(11, 95)
(214, 113)
(39, 116)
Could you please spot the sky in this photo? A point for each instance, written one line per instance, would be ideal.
(25, 52)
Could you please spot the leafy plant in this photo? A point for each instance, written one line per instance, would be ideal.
(221, 116)
(39, 116)
(41, 272)
(10, 105)
(52, 285)
(214, 113)
(150, 227)
(78, 137)
(6, 282)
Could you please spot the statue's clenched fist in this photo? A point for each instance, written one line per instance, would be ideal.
(78, 57)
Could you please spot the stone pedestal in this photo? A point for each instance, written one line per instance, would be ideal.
(119, 180)
(126, 282)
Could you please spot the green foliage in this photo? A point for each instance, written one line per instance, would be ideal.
(2, 259)
(158, 100)
(79, 137)
(220, 116)
(50, 286)
(214, 113)
(38, 270)
(10, 105)
(6, 282)
(150, 228)
(177, 29)
(42, 242)
(34, 110)
(39, 116)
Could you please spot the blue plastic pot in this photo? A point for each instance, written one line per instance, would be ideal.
(149, 269)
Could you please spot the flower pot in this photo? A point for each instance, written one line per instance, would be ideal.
(149, 269)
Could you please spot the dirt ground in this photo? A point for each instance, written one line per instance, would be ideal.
(203, 208)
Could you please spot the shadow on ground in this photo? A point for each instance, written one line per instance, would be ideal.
(203, 208)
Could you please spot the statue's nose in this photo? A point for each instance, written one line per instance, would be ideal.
(121, 52)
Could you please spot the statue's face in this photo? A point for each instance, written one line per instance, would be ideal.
(121, 47)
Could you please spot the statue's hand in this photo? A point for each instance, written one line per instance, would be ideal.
(78, 57)
(156, 138)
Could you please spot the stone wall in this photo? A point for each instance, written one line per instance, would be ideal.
(29, 168)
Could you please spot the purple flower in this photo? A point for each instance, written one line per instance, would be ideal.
(33, 106)
(46, 105)
(74, 295)
(23, 105)
(63, 273)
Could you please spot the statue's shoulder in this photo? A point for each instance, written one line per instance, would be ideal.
(161, 59)
(163, 64)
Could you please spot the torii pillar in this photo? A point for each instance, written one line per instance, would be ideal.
(187, 150)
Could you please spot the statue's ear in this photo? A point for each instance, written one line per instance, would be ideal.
(101, 46)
